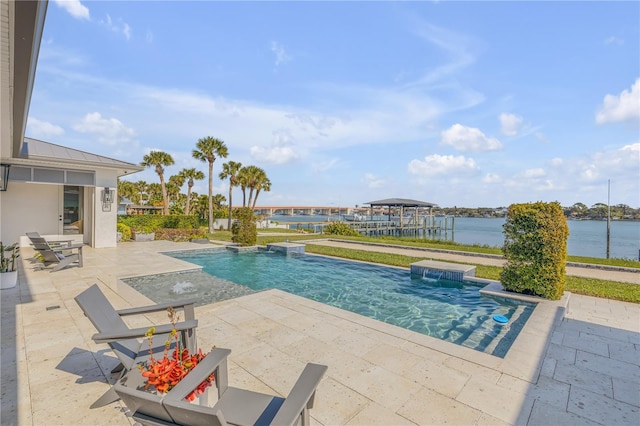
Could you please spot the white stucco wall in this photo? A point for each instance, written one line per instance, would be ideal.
(26, 208)
(104, 225)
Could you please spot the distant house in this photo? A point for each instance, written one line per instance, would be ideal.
(45, 187)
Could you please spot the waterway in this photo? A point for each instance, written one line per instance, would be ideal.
(586, 237)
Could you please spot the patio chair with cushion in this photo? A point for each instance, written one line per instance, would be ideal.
(234, 406)
(127, 343)
(62, 255)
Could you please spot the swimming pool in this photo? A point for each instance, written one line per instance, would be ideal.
(449, 310)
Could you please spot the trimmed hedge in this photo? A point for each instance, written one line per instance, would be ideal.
(244, 230)
(152, 222)
(535, 248)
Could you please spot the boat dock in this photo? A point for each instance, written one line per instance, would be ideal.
(427, 225)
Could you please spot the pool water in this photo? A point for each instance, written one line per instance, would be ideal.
(449, 310)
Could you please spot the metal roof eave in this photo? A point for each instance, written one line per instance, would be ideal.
(125, 169)
(401, 202)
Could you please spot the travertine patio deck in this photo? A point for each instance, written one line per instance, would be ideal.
(583, 368)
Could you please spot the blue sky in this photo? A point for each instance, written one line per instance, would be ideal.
(457, 103)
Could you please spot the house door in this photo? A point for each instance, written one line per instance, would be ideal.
(71, 214)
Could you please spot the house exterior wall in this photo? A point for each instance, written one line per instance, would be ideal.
(104, 226)
(26, 207)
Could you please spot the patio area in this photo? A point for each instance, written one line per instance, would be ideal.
(577, 361)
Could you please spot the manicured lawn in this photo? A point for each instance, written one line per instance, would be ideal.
(579, 285)
(588, 286)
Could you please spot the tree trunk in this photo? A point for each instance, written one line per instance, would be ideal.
(188, 200)
(229, 220)
(165, 198)
(255, 200)
(210, 197)
(250, 197)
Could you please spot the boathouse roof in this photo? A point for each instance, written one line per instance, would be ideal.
(404, 202)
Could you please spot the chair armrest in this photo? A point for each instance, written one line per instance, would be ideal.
(215, 361)
(156, 308)
(142, 331)
(301, 396)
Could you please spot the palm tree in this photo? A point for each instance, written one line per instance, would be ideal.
(142, 188)
(249, 177)
(208, 149)
(190, 175)
(243, 182)
(230, 171)
(159, 160)
(218, 201)
(263, 184)
(126, 189)
(252, 177)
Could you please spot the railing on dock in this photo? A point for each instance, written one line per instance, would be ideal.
(424, 225)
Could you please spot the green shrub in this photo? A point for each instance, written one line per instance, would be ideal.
(178, 234)
(244, 230)
(340, 228)
(535, 247)
(152, 222)
(125, 230)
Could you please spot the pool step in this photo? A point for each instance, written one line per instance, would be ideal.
(477, 335)
(505, 329)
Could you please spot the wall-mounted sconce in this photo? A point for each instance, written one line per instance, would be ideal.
(4, 176)
(107, 199)
(107, 196)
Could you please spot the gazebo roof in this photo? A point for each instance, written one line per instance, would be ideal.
(404, 202)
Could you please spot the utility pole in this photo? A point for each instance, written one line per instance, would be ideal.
(608, 216)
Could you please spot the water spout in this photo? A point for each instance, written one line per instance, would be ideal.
(431, 275)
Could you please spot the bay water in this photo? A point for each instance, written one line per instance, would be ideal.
(586, 237)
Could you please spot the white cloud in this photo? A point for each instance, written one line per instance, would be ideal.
(622, 164)
(323, 166)
(541, 137)
(534, 173)
(510, 124)
(274, 154)
(75, 8)
(624, 107)
(491, 178)
(614, 40)
(557, 162)
(372, 181)
(280, 54)
(119, 27)
(42, 129)
(109, 131)
(435, 164)
(464, 138)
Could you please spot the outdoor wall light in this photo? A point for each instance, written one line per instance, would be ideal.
(107, 196)
(4, 176)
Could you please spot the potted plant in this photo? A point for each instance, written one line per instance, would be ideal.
(8, 271)
(164, 373)
(144, 233)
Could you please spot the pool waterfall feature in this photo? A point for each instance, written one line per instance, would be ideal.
(457, 310)
(442, 270)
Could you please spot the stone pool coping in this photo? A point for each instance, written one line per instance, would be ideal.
(522, 360)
